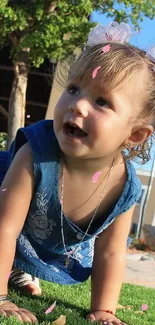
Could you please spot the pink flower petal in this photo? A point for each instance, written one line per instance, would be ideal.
(144, 307)
(106, 48)
(50, 309)
(96, 177)
(94, 74)
(97, 116)
(4, 189)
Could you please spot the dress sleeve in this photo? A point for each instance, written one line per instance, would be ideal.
(38, 137)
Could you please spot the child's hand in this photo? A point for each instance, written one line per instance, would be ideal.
(9, 309)
(105, 318)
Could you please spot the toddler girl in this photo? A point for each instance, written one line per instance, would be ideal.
(69, 194)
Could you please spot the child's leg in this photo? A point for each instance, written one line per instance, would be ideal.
(25, 281)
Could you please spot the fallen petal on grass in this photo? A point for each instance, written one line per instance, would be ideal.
(60, 321)
(144, 307)
(50, 309)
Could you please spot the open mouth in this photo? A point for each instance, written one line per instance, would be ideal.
(74, 131)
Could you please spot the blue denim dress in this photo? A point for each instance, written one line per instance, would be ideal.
(40, 250)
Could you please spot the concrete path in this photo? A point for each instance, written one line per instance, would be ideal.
(140, 270)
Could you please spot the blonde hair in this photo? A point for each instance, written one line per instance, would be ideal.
(119, 64)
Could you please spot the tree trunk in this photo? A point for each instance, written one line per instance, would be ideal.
(17, 100)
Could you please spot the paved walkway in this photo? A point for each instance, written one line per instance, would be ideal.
(140, 270)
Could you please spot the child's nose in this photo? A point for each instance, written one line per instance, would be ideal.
(80, 108)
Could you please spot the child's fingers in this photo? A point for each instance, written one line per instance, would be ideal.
(13, 313)
(25, 317)
(21, 314)
(28, 313)
(3, 313)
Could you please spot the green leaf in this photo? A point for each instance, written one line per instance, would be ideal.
(54, 29)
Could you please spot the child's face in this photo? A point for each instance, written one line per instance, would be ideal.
(91, 123)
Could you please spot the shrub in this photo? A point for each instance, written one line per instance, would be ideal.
(140, 244)
(3, 141)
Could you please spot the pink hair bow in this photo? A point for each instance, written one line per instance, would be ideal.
(113, 32)
(151, 53)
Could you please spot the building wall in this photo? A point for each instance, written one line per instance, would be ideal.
(145, 215)
(144, 177)
(56, 92)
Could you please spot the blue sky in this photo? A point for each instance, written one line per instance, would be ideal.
(143, 40)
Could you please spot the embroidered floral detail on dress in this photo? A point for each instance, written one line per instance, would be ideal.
(38, 225)
(54, 268)
(90, 254)
(84, 251)
(27, 248)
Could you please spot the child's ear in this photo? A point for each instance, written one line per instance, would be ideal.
(139, 135)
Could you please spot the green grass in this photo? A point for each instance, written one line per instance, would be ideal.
(73, 301)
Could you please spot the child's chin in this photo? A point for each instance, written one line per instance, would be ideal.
(72, 152)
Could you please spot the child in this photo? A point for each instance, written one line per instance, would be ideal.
(68, 197)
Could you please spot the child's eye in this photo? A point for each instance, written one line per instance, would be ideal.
(101, 102)
(72, 90)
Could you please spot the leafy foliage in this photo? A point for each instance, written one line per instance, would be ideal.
(54, 29)
(141, 245)
(3, 141)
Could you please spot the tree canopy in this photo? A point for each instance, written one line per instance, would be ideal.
(53, 29)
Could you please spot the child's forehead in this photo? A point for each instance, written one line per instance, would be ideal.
(132, 87)
(98, 78)
(99, 84)
(108, 70)
(108, 81)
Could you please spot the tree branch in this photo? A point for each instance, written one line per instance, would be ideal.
(13, 38)
(52, 6)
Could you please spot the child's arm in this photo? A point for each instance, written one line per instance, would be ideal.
(109, 265)
(15, 196)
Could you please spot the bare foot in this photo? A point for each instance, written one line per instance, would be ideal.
(25, 282)
(32, 288)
